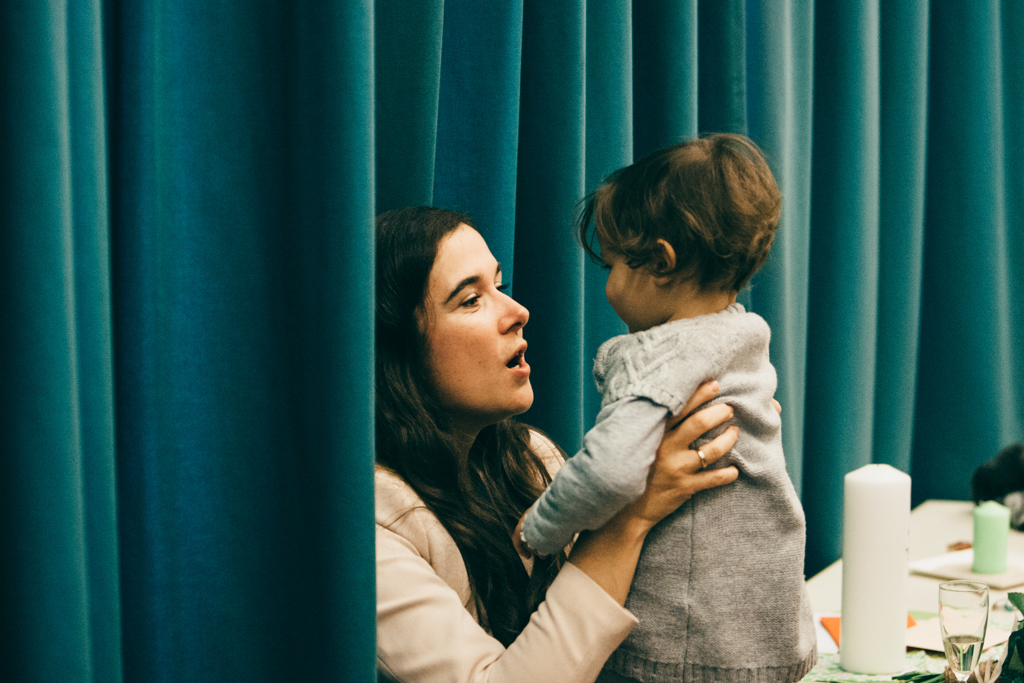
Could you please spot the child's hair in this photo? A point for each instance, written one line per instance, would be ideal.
(714, 199)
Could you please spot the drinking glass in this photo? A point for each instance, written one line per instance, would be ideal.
(963, 620)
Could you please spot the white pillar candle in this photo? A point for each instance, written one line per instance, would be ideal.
(876, 542)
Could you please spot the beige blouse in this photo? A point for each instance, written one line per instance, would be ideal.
(427, 630)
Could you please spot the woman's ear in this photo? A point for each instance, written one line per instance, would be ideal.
(664, 263)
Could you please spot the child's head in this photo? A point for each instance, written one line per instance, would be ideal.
(713, 199)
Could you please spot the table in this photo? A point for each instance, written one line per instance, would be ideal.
(934, 524)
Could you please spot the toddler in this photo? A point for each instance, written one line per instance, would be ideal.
(719, 589)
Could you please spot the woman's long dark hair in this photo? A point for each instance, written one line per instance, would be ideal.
(480, 504)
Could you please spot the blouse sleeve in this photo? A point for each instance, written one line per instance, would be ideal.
(425, 634)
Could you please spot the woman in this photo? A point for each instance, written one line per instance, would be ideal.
(455, 602)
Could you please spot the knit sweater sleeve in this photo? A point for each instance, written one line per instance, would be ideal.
(608, 473)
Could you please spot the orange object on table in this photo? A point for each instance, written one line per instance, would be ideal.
(831, 625)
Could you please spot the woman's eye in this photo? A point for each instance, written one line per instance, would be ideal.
(504, 286)
(471, 301)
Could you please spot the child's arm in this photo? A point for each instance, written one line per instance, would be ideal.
(608, 473)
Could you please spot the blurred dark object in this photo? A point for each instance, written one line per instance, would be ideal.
(1002, 479)
(1015, 501)
(999, 476)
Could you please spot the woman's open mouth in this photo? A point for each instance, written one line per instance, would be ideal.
(516, 360)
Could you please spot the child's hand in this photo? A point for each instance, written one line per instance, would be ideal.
(517, 540)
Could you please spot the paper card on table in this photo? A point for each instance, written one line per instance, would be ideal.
(832, 625)
(927, 636)
(958, 566)
(826, 643)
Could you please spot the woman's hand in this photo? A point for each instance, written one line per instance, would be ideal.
(609, 555)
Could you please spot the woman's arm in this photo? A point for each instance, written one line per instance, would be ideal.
(610, 554)
(425, 632)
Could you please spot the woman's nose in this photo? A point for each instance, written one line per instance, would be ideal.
(516, 314)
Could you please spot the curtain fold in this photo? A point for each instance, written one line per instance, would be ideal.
(903, 131)
(59, 593)
(608, 147)
(186, 240)
(843, 286)
(549, 182)
(664, 74)
(967, 349)
(478, 119)
(1012, 19)
(242, 217)
(779, 110)
(407, 32)
(722, 66)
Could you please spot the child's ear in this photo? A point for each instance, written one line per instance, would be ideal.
(664, 262)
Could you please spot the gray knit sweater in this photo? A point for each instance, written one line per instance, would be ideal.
(719, 589)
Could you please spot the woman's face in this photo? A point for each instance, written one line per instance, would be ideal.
(474, 335)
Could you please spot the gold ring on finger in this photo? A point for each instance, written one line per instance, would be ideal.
(703, 460)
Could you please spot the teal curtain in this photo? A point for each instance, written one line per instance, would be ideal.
(187, 440)
(186, 228)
